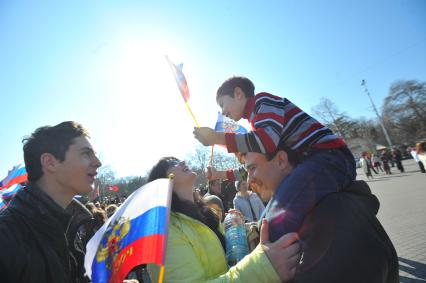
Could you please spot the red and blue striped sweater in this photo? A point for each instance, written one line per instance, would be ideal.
(277, 121)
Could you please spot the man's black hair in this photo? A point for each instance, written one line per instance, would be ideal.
(49, 139)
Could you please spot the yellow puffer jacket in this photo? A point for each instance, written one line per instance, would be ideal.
(195, 254)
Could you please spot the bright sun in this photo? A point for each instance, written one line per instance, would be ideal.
(148, 109)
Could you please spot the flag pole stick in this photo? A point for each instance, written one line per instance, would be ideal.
(211, 156)
(192, 114)
(169, 200)
(161, 275)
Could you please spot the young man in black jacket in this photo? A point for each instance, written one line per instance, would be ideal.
(39, 231)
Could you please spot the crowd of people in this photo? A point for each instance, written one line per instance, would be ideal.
(297, 188)
(385, 159)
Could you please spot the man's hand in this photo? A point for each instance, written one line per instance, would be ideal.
(208, 136)
(253, 235)
(284, 254)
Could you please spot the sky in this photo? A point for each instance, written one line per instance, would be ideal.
(102, 64)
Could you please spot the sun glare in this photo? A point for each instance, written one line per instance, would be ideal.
(149, 109)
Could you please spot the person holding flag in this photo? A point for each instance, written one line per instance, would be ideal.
(195, 245)
(226, 125)
(326, 164)
(39, 230)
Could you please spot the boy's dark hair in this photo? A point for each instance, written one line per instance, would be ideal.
(227, 88)
(49, 139)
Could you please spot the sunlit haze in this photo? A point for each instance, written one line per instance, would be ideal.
(102, 64)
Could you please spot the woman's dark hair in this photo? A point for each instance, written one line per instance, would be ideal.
(197, 209)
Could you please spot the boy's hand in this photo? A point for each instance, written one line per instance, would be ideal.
(208, 136)
(283, 254)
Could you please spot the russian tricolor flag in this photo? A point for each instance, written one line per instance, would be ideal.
(17, 175)
(180, 79)
(11, 192)
(226, 125)
(136, 234)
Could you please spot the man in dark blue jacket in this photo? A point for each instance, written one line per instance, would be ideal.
(342, 240)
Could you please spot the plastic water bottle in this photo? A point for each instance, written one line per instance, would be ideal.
(235, 238)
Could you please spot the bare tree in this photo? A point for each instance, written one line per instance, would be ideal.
(199, 159)
(130, 183)
(106, 176)
(329, 114)
(404, 110)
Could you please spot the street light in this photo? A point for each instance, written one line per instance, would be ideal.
(377, 113)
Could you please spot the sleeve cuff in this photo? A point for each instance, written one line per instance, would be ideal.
(256, 267)
(231, 144)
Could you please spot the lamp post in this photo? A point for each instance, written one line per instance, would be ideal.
(377, 113)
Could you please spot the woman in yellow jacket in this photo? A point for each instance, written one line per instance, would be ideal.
(195, 246)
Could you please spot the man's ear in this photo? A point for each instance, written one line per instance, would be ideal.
(282, 159)
(48, 162)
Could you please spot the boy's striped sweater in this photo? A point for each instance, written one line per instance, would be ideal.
(277, 121)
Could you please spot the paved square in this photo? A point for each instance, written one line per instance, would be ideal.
(403, 215)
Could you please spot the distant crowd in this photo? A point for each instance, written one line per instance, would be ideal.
(385, 159)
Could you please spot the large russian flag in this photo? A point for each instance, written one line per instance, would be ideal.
(136, 234)
(17, 175)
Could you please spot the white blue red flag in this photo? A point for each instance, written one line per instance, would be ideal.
(226, 125)
(17, 175)
(135, 234)
(11, 192)
(180, 79)
(3, 205)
